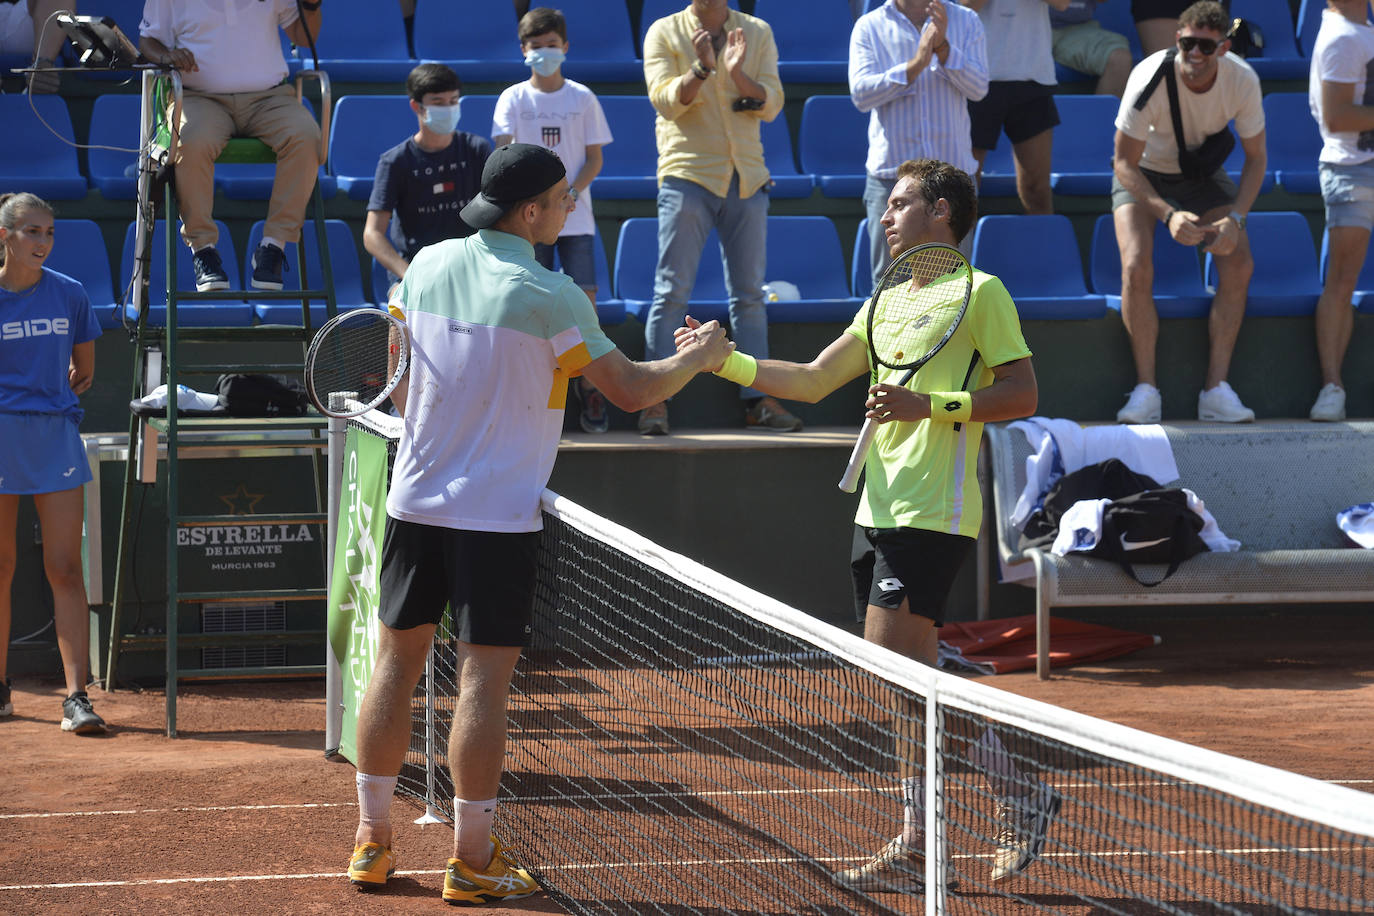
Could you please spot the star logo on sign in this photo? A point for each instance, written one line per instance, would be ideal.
(241, 502)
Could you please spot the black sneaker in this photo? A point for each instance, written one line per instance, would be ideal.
(209, 269)
(268, 263)
(79, 717)
(6, 704)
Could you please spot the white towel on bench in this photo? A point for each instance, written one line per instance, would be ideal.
(1060, 446)
(1358, 523)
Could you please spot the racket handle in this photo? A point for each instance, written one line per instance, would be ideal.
(850, 481)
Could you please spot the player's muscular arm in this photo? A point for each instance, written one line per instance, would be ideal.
(633, 386)
(846, 358)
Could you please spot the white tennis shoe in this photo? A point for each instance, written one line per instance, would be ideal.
(1330, 406)
(1143, 407)
(1223, 405)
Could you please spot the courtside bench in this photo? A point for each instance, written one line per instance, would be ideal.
(1275, 487)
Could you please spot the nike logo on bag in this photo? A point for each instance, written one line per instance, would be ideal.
(1137, 545)
(951, 406)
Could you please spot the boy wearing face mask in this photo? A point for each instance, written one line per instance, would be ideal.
(427, 179)
(564, 116)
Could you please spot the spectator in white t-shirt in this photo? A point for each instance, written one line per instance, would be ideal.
(1339, 94)
(234, 75)
(564, 116)
(1197, 200)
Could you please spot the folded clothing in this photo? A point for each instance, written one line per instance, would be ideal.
(189, 403)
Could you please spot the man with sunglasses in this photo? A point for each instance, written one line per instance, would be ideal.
(1195, 199)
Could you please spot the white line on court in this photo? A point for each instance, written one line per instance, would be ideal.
(184, 810)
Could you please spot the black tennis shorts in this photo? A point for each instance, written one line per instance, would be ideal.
(892, 564)
(487, 578)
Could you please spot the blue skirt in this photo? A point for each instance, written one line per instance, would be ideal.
(43, 454)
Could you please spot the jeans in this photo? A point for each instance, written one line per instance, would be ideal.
(575, 258)
(687, 213)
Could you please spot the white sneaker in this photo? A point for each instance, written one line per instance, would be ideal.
(1223, 405)
(1143, 406)
(1330, 405)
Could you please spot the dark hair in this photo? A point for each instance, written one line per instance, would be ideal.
(1206, 14)
(935, 179)
(14, 203)
(428, 78)
(542, 20)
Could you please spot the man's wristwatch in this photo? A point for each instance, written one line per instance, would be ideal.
(699, 71)
(1239, 220)
(573, 193)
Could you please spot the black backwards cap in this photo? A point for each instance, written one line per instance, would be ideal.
(514, 172)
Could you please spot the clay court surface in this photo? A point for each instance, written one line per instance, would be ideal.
(243, 814)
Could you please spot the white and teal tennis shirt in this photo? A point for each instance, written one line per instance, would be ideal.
(494, 339)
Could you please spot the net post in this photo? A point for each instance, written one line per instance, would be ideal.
(333, 675)
(432, 813)
(934, 826)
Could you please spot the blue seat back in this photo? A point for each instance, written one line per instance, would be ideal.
(114, 123)
(655, 10)
(1285, 257)
(1275, 19)
(808, 30)
(1116, 17)
(861, 270)
(1309, 23)
(1083, 143)
(362, 40)
(1177, 269)
(79, 252)
(597, 30)
(805, 251)
(634, 151)
(636, 259)
(834, 136)
(479, 45)
(478, 112)
(1292, 138)
(364, 127)
(32, 158)
(1032, 255)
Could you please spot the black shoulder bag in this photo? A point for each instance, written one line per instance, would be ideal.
(1211, 155)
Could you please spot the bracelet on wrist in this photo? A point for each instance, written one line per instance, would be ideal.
(740, 368)
(1168, 216)
(699, 71)
(950, 406)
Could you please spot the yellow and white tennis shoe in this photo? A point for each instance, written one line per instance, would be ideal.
(371, 865)
(502, 880)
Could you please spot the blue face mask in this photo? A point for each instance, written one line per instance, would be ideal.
(545, 61)
(442, 119)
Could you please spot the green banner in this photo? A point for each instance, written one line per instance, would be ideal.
(355, 589)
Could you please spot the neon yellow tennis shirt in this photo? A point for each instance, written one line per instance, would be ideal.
(925, 474)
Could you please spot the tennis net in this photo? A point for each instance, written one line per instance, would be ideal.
(682, 744)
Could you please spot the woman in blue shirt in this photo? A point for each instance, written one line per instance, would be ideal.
(47, 358)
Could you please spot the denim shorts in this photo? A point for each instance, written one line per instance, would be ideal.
(52, 458)
(1348, 192)
(575, 258)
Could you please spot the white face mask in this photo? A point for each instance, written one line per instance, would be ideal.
(442, 119)
(545, 61)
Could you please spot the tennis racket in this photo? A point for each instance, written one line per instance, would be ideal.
(355, 361)
(914, 311)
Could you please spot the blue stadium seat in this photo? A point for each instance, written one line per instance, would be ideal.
(1287, 280)
(1236, 160)
(1293, 142)
(636, 259)
(812, 38)
(601, 40)
(361, 41)
(79, 252)
(478, 113)
(803, 250)
(481, 47)
(782, 166)
(1364, 284)
(364, 127)
(1309, 23)
(200, 314)
(1081, 162)
(34, 158)
(1178, 289)
(343, 260)
(1281, 59)
(1116, 17)
(861, 271)
(999, 171)
(609, 310)
(114, 123)
(833, 144)
(253, 180)
(1036, 258)
(630, 164)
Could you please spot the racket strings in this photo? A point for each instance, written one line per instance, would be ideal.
(916, 305)
(353, 358)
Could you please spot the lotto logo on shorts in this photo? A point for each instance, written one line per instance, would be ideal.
(34, 327)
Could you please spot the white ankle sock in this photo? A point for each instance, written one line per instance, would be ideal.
(374, 799)
(472, 829)
(268, 240)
